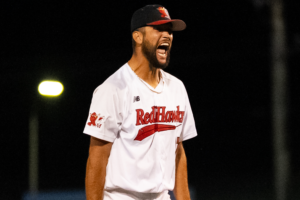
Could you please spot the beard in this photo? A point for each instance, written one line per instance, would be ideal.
(149, 52)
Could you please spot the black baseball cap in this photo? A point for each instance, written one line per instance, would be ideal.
(154, 15)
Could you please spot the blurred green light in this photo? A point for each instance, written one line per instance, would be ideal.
(50, 88)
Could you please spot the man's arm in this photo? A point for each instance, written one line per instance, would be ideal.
(99, 152)
(181, 190)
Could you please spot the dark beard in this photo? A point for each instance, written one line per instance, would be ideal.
(150, 53)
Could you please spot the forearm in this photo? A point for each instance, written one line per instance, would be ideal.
(96, 168)
(94, 181)
(181, 190)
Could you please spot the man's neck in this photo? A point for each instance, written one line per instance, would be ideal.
(141, 66)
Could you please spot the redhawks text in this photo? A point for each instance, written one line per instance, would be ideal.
(158, 114)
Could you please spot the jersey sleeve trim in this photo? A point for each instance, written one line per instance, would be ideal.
(189, 136)
(98, 135)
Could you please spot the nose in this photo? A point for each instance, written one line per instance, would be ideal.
(168, 34)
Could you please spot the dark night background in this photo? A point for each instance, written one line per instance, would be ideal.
(223, 58)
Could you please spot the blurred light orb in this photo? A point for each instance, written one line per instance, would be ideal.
(50, 88)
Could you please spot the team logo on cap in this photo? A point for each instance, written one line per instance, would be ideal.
(95, 120)
(164, 12)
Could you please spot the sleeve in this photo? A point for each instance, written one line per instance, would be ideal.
(104, 115)
(188, 124)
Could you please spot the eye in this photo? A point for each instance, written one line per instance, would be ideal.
(164, 27)
(156, 27)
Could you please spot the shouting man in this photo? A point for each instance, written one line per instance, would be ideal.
(136, 149)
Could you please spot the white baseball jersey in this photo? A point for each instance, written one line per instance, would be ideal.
(143, 123)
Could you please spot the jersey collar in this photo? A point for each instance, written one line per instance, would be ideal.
(159, 88)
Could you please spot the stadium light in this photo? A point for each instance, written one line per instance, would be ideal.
(48, 88)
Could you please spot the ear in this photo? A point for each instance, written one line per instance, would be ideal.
(138, 37)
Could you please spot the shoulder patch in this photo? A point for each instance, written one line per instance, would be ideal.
(96, 120)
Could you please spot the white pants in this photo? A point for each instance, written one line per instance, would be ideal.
(120, 194)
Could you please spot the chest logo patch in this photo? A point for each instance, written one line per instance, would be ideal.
(158, 114)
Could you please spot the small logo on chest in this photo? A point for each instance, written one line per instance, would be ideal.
(136, 98)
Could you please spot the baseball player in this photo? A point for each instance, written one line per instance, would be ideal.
(138, 119)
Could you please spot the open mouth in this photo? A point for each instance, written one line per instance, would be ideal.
(163, 48)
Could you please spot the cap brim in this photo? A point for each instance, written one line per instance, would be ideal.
(177, 24)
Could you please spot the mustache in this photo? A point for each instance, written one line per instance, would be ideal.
(149, 51)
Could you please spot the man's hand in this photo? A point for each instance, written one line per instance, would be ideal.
(99, 152)
(181, 190)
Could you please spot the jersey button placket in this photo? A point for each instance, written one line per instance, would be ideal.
(161, 142)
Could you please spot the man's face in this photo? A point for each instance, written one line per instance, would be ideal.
(156, 45)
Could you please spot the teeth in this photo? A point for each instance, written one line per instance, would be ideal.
(164, 44)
